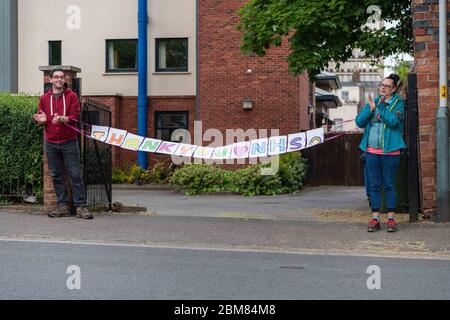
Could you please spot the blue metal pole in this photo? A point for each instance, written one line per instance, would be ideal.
(142, 82)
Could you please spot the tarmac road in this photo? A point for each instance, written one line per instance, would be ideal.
(223, 247)
(39, 270)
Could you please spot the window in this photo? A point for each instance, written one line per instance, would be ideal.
(167, 122)
(172, 55)
(54, 53)
(338, 125)
(345, 95)
(121, 55)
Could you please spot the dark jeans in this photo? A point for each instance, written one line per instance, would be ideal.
(66, 156)
(382, 171)
(366, 175)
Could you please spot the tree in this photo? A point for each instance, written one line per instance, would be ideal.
(400, 67)
(320, 31)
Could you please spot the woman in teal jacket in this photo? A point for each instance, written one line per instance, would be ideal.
(383, 120)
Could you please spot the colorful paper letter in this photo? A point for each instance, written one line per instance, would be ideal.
(132, 142)
(258, 148)
(150, 145)
(314, 137)
(240, 150)
(116, 136)
(296, 141)
(221, 152)
(203, 153)
(99, 133)
(168, 147)
(185, 150)
(277, 145)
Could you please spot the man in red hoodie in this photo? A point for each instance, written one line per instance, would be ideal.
(58, 108)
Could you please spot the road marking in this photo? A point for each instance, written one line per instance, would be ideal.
(300, 251)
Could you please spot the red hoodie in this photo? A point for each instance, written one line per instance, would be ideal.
(59, 133)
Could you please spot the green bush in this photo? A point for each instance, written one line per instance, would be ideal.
(118, 176)
(20, 144)
(162, 171)
(199, 178)
(292, 171)
(196, 179)
(250, 182)
(139, 175)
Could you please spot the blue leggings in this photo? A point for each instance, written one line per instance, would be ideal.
(382, 172)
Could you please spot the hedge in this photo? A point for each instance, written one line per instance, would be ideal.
(20, 145)
(197, 179)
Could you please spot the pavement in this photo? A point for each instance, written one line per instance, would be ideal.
(303, 206)
(322, 220)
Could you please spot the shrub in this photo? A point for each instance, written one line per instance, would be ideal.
(118, 176)
(199, 178)
(138, 175)
(250, 182)
(162, 171)
(292, 171)
(20, 144)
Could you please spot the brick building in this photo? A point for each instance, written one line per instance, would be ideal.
(196, 70)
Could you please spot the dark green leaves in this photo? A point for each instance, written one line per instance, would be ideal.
(323, 30)
(20, 145)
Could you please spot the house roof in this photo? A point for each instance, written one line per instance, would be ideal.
(325, 96)
(328, 80)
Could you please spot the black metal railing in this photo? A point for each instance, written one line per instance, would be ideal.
(21, 189)
(97, 157)
(18, 185)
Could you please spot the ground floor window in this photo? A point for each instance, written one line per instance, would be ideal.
(167, 122)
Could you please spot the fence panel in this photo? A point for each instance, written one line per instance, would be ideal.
(335, 162)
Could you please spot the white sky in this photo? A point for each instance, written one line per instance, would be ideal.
(390, 61)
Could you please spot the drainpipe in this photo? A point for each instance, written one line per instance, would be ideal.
(442, 139)
(142, 81)
(197, 101)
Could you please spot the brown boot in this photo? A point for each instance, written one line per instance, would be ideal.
(60, 211)
(84, 213)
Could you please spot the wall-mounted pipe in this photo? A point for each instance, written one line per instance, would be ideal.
(442, 156)
(142, 81)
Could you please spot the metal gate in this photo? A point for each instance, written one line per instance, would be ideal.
(97, 157)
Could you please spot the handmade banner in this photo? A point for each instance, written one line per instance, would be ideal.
(246, 149)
